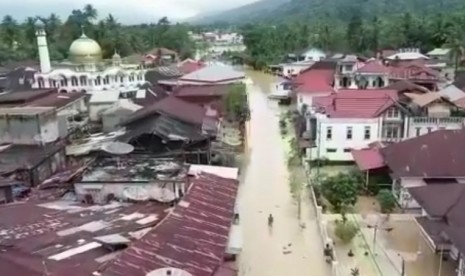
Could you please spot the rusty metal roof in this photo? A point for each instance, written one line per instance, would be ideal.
(42, 239)
(193, 237)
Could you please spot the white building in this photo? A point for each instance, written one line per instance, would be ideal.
(348, 120)
(312, 54)
(86, 70)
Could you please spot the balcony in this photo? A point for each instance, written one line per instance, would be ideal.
(437, 121)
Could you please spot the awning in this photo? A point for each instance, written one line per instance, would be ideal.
(368, 159)
(235, 240)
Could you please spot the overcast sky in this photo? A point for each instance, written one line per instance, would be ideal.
(127, 11)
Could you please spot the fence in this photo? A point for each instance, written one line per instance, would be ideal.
(322, 224)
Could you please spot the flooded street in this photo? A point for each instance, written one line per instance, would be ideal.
(287, 248)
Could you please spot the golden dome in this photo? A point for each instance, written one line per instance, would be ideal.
(85, 50)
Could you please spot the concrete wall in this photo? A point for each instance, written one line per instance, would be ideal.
(417, 126)
(339, 142)
(25, 129)
(95, 110)
(110, 121)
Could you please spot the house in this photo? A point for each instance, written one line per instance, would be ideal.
(406, 54)
(436, 157)
(189, 65)
(417, 73)
(207, 96)
(209, 75)
(141, 178)
(28, 125)
(442, 221)
(312, 54)
(440, 54)
(314, 82)
(292, 69)
(30, 165)
(172, 126)
(352, 119)
(115, 115)
(373, 74)
(100, 101)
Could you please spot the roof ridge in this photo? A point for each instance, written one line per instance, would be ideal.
(454, 204)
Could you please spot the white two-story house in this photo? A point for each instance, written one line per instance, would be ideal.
(351, 119)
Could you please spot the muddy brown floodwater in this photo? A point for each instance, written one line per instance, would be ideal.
(287, 248)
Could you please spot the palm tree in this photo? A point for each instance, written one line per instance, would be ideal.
(455, 41)
(10, 30)
(90, 12)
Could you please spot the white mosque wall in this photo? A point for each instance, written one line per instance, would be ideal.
(67, 80)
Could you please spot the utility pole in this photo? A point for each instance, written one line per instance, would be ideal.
(375, 228)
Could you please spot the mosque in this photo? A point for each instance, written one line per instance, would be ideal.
(85, 70)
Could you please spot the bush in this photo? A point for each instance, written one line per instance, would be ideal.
(387, 201)
(346, 230)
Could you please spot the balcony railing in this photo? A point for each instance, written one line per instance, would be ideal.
(438, 121)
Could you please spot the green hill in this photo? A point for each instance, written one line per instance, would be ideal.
(250, 12)
(275, 11)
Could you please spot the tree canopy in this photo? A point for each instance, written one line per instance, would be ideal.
(365, 35)
(340, 190)
(18, 39)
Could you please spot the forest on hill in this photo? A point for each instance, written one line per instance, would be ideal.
(18, 39)
(279, 11)
(365, 35)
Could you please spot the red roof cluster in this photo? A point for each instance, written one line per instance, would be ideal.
(415, 72)
(193, 237)
(355, 103)
(374, 67)
(191, 66)
(315, 80)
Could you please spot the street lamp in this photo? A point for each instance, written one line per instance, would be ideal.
(375, 228)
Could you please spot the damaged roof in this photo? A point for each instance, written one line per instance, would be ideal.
(54, 238)
(171, 106)
(440, 154)
(193, 237)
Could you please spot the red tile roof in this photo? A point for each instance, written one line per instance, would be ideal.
(202, 90)
(374, 67)
(191, 66)
(368, 159)
(354, 103)
(193, 237)
(440, 154)
(415, 72)
(315, 80)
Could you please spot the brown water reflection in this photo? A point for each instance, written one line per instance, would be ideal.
(288, 249)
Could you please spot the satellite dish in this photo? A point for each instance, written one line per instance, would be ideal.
(169, 271)
(117, 148)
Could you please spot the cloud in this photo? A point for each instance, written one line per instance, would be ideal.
(132, 11)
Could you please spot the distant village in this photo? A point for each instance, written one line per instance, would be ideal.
(105, 164)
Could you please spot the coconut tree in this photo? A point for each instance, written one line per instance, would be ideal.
(455, 41)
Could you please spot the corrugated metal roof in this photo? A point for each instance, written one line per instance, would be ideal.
(214, 73)
(193, 237)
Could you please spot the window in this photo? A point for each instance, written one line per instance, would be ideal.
(331, 150)
(346, 150)
(392, 112)
(98, 81)
(349, 68)
(418, 129)
(349, 133)
(429, 129)
(329, 133)
(367, 133)
(392, 132)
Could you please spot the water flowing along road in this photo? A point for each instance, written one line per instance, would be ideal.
(287, 249)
